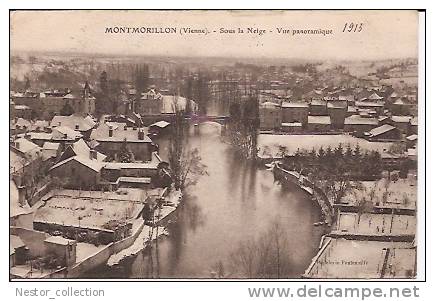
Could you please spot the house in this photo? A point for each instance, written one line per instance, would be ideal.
(401, 107)
(378, 107)
(116, 138)
(319, 123)
(414, 125)
(270, 116)
(411, 141)
(21, 215)
(22, 111)
(65, 134)
(151, 103)
(51, 150)
(337, 110)
(112, 171)
(295, 112)
(61, 134)
(291, 127)
(63, 249)
(172, 103)
(403, 123)
(351, 110)
(78, 172)
(25, 161)
(129, 121)
(29, 99)
(84, 125)
(81, 149)
(19, 125)
(318, 107)
(159, 127)
(18, 251)
(384, 132)
(359, 125)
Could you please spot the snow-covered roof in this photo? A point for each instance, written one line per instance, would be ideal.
(294, 104)
(160, 124)
(401, 119)
(73, 121)
(375, 96)
(15, 242)
(319, 120)
(381, 130)
(412, 137)
(27, 147)
(59, 240)
(92, 164)
(81, 149)
(356, 119)
(60, 132)
(51, 145)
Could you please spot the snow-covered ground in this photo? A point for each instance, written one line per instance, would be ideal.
(172, 201)
(139, 244)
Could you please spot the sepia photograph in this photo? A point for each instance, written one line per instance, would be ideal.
(215, 144)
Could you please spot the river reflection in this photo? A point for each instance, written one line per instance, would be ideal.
(236, 201)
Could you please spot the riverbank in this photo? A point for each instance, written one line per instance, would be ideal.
(147, 234)
(362, 245)
(125, 248)
(306, 185)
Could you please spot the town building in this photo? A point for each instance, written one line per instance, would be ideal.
(116, 138)
(78, 123)
(270, 116)
(337, 110)
(319, 123)
(78, 173)
(64, 249)
(403, 123)
(384, 132)
(359, 125)
(376, 107)
(295, 112)
(151, 103)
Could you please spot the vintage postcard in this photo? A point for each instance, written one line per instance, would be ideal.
(215, 144)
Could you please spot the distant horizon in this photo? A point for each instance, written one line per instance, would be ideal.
(18, 52)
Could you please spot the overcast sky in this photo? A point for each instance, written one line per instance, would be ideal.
(385, 34)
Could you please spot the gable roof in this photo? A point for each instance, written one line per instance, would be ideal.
(319, 120)
(356, 119)
(160, 124)
(381, 130)
(374, 96)
(91, 164)
(73, 121)
(65, 133)
(119, 133)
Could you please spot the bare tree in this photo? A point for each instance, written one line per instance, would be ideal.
(186, 164)
(264, 257)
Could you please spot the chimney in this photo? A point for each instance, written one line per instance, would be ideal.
(21, 194)
(93, 154)
(110, 131)
(17, 145)
(141, 134)
(125, 127)
(77, 126)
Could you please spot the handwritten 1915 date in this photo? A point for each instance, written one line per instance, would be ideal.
(353, 27)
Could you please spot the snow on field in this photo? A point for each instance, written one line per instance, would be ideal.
(84, 250)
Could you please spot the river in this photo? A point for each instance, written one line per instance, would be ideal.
(235, 202)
